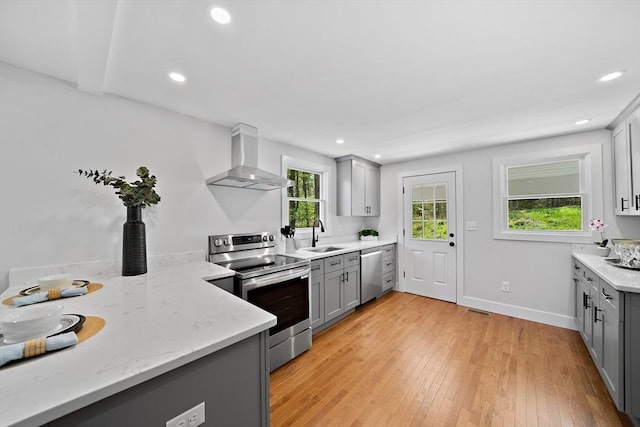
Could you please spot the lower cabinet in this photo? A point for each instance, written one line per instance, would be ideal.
(600, 321)
(317, 293)
(335, 287)
(341, 284)
(388, 267)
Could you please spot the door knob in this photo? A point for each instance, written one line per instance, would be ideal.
(451, 235)
(451, 244)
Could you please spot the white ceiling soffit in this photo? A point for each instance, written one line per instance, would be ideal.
(400, 79)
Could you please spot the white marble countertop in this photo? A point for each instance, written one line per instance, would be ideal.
(356, 245)
(155, 322)
(622, 279)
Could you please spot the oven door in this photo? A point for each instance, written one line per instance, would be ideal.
(286, 295)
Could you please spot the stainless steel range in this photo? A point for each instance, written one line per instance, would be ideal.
(276, 283)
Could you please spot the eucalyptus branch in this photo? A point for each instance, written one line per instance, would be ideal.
(139, 193)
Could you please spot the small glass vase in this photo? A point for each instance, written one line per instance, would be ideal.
(603, 251)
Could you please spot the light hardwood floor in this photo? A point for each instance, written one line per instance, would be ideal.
(406, 360)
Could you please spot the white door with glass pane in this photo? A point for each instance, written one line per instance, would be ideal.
(430, 235)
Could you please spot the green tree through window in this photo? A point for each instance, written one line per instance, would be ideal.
(303, 198)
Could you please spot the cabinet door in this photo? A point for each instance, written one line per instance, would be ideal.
(351, 288)
(611, 360)
(580, 304)
(621, 169)
(596, 337)
(372, 191)
(634, 154)
(587, 325)
(333, 295)
(358, 188)
(317, 294)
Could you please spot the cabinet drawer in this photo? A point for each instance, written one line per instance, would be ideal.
(333, 263)
(388, 265)
(578, 269)
(351, 259)
(611, 299)
(317, 267)
(591, 279)
(388, 280)
(389, 251)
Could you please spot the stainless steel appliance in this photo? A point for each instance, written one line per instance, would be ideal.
(371, 270)
(276, 283)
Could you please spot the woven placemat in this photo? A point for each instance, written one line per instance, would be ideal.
(92, 325)
(91, 287)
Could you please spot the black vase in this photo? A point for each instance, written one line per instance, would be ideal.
(134, 244)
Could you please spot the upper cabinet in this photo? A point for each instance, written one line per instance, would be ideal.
(626, 157)
(358, 187)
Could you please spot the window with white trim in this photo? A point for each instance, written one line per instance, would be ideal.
(306, 199)
(547, 196)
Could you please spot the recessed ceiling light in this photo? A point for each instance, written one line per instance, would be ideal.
(611, 76)
(339, 141)
(583, 121)
(220, 15)
(177, 77)
(377, 156)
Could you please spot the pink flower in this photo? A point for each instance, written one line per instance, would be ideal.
(597, 224)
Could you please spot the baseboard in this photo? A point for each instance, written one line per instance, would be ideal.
(547, 318)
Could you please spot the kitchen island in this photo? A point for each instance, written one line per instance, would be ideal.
(170, 341)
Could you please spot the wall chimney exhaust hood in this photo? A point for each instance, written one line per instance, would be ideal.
(244, 172)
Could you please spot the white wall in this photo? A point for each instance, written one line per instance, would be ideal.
(49, 215)
(539, 272)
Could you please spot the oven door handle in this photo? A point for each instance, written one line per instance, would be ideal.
(273, 278)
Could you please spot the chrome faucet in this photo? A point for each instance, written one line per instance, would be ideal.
(314, 238)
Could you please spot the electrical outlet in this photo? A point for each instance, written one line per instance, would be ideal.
(506, 286)
(191, 418)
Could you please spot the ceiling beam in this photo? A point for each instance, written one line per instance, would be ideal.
(96, 20)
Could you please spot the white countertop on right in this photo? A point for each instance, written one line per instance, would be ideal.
(622, 279)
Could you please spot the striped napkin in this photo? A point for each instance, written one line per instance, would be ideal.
(36, 347)
(49, 295)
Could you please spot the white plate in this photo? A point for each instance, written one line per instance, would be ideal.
(67, 323)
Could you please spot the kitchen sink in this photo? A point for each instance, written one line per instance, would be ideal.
(323, 249)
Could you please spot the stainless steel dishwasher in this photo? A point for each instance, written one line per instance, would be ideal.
(371, 271)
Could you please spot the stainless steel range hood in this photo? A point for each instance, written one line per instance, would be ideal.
(244, 172)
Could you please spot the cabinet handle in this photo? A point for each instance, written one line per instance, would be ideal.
(586, 300)
(622, 200)
(595, 315)
(589, 279)
(575, 281)
(316, 268)
(575, 267)
(637, 202)
(333, 264)
(606, 296)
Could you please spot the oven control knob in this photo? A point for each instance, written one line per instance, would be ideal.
(226, 242)
(271, 237)
(264, 238)
(217, 242)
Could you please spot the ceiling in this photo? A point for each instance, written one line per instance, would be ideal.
(402, 79)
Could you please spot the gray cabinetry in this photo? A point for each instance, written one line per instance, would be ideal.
(599, 319)
(317, 293)
(626, 158)
(632, 355)
(388, 267)
(358, 187)
(341, 284)
(232, 382)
